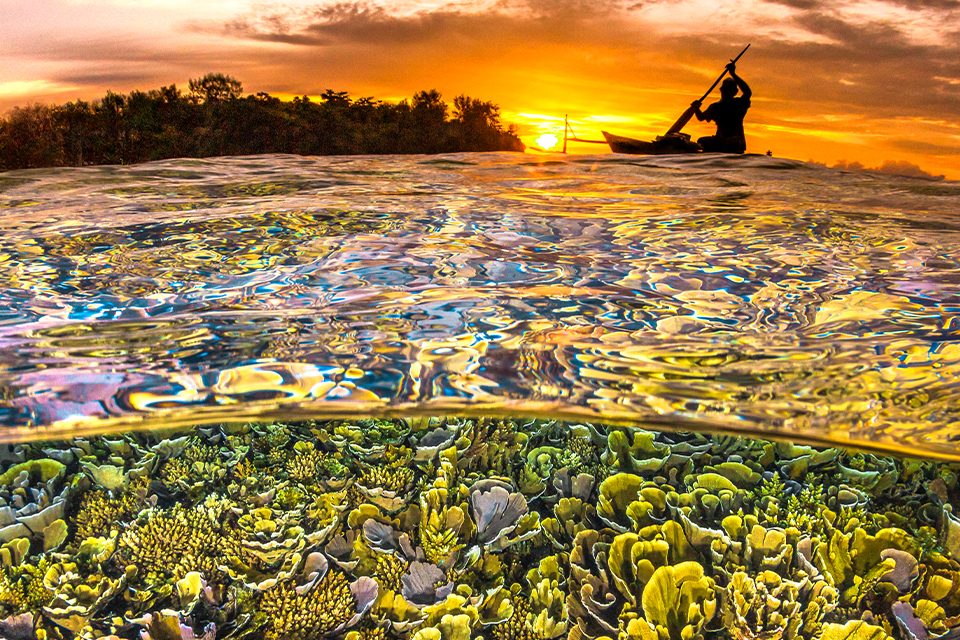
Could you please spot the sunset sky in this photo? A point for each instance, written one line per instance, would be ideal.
(873, 81)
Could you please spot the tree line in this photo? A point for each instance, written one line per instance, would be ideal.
(214, 119)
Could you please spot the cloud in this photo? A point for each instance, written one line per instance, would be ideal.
(829, 5)
(799, 4)
(918, 5)
(846, 59)
(496, 50)
(925, 147)
(366, 22)
(874, 65)
(29, 88)
(890, 167)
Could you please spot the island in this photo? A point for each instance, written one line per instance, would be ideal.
(214, 118)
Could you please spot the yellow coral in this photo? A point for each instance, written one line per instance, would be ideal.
(321, 610)
(389, 570)
(98, 513)
(172, 542)
(516, 627)
(367, 630)
(202, 453)
(22, 589)
(439, 526)
(197, 463)
(173, 472)
(306, 462)
(243, 470)
(387, 477)
(290, 497)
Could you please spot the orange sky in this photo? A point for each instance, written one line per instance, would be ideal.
(868, 81)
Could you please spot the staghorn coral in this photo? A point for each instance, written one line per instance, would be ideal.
(22, 589)
(389, 571)
(198, 464)
(442, 519)
(388, 477)
(99, 513)
(490, 445)
(311, 466)
(387, 485)
(325, 604)
(516, 627)
(767, 605)
(325, 608)
(171, 543)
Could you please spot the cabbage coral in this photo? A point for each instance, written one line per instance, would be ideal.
(443, 528)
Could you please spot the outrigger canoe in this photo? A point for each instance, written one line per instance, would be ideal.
(668, 144)
(674, 141)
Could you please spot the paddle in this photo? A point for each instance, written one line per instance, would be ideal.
(692, 109)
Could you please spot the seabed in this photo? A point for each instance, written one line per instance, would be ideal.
(437, 529)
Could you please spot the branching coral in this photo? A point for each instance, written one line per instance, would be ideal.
(170, 543)
(98, 513)
(22, 589)
(327, 603)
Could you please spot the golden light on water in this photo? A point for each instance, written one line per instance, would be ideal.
(547, 140)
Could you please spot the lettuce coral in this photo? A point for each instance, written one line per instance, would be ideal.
(435, 528)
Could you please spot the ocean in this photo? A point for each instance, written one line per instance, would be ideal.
(479, 395)
(743, 294)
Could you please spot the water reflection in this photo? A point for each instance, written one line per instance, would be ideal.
(736, 294)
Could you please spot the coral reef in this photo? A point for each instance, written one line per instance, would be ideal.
(434, 529)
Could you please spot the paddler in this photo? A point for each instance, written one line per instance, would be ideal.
(728, 113)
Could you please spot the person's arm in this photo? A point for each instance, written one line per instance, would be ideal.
(700, 115)
(744, 87)
(707, 114)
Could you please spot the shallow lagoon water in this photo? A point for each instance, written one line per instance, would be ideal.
(735, 294)
(237, 331)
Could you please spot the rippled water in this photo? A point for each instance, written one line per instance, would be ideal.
(739, 294)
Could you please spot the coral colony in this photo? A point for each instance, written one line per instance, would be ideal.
(455, 529)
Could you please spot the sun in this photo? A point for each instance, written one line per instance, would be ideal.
(547, 140)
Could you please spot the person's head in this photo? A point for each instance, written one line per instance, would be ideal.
(728, 88)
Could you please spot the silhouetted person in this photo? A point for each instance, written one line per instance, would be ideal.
(728, 113)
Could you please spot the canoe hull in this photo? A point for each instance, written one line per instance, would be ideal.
(661, 146)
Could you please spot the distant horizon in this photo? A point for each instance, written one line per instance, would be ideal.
(871, 83)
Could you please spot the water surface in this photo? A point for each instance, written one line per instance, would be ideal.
(739, 294)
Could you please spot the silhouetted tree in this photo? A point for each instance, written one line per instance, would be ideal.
(73, 123)
(214, 119)
(479, 122)
(430, 130)
(214, 87)
(32, 136)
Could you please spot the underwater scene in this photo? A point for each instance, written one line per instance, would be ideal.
(479, 396)
(454, 529)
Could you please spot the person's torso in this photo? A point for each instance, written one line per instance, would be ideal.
(728, 114)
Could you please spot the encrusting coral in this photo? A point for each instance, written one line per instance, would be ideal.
(435, 529)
